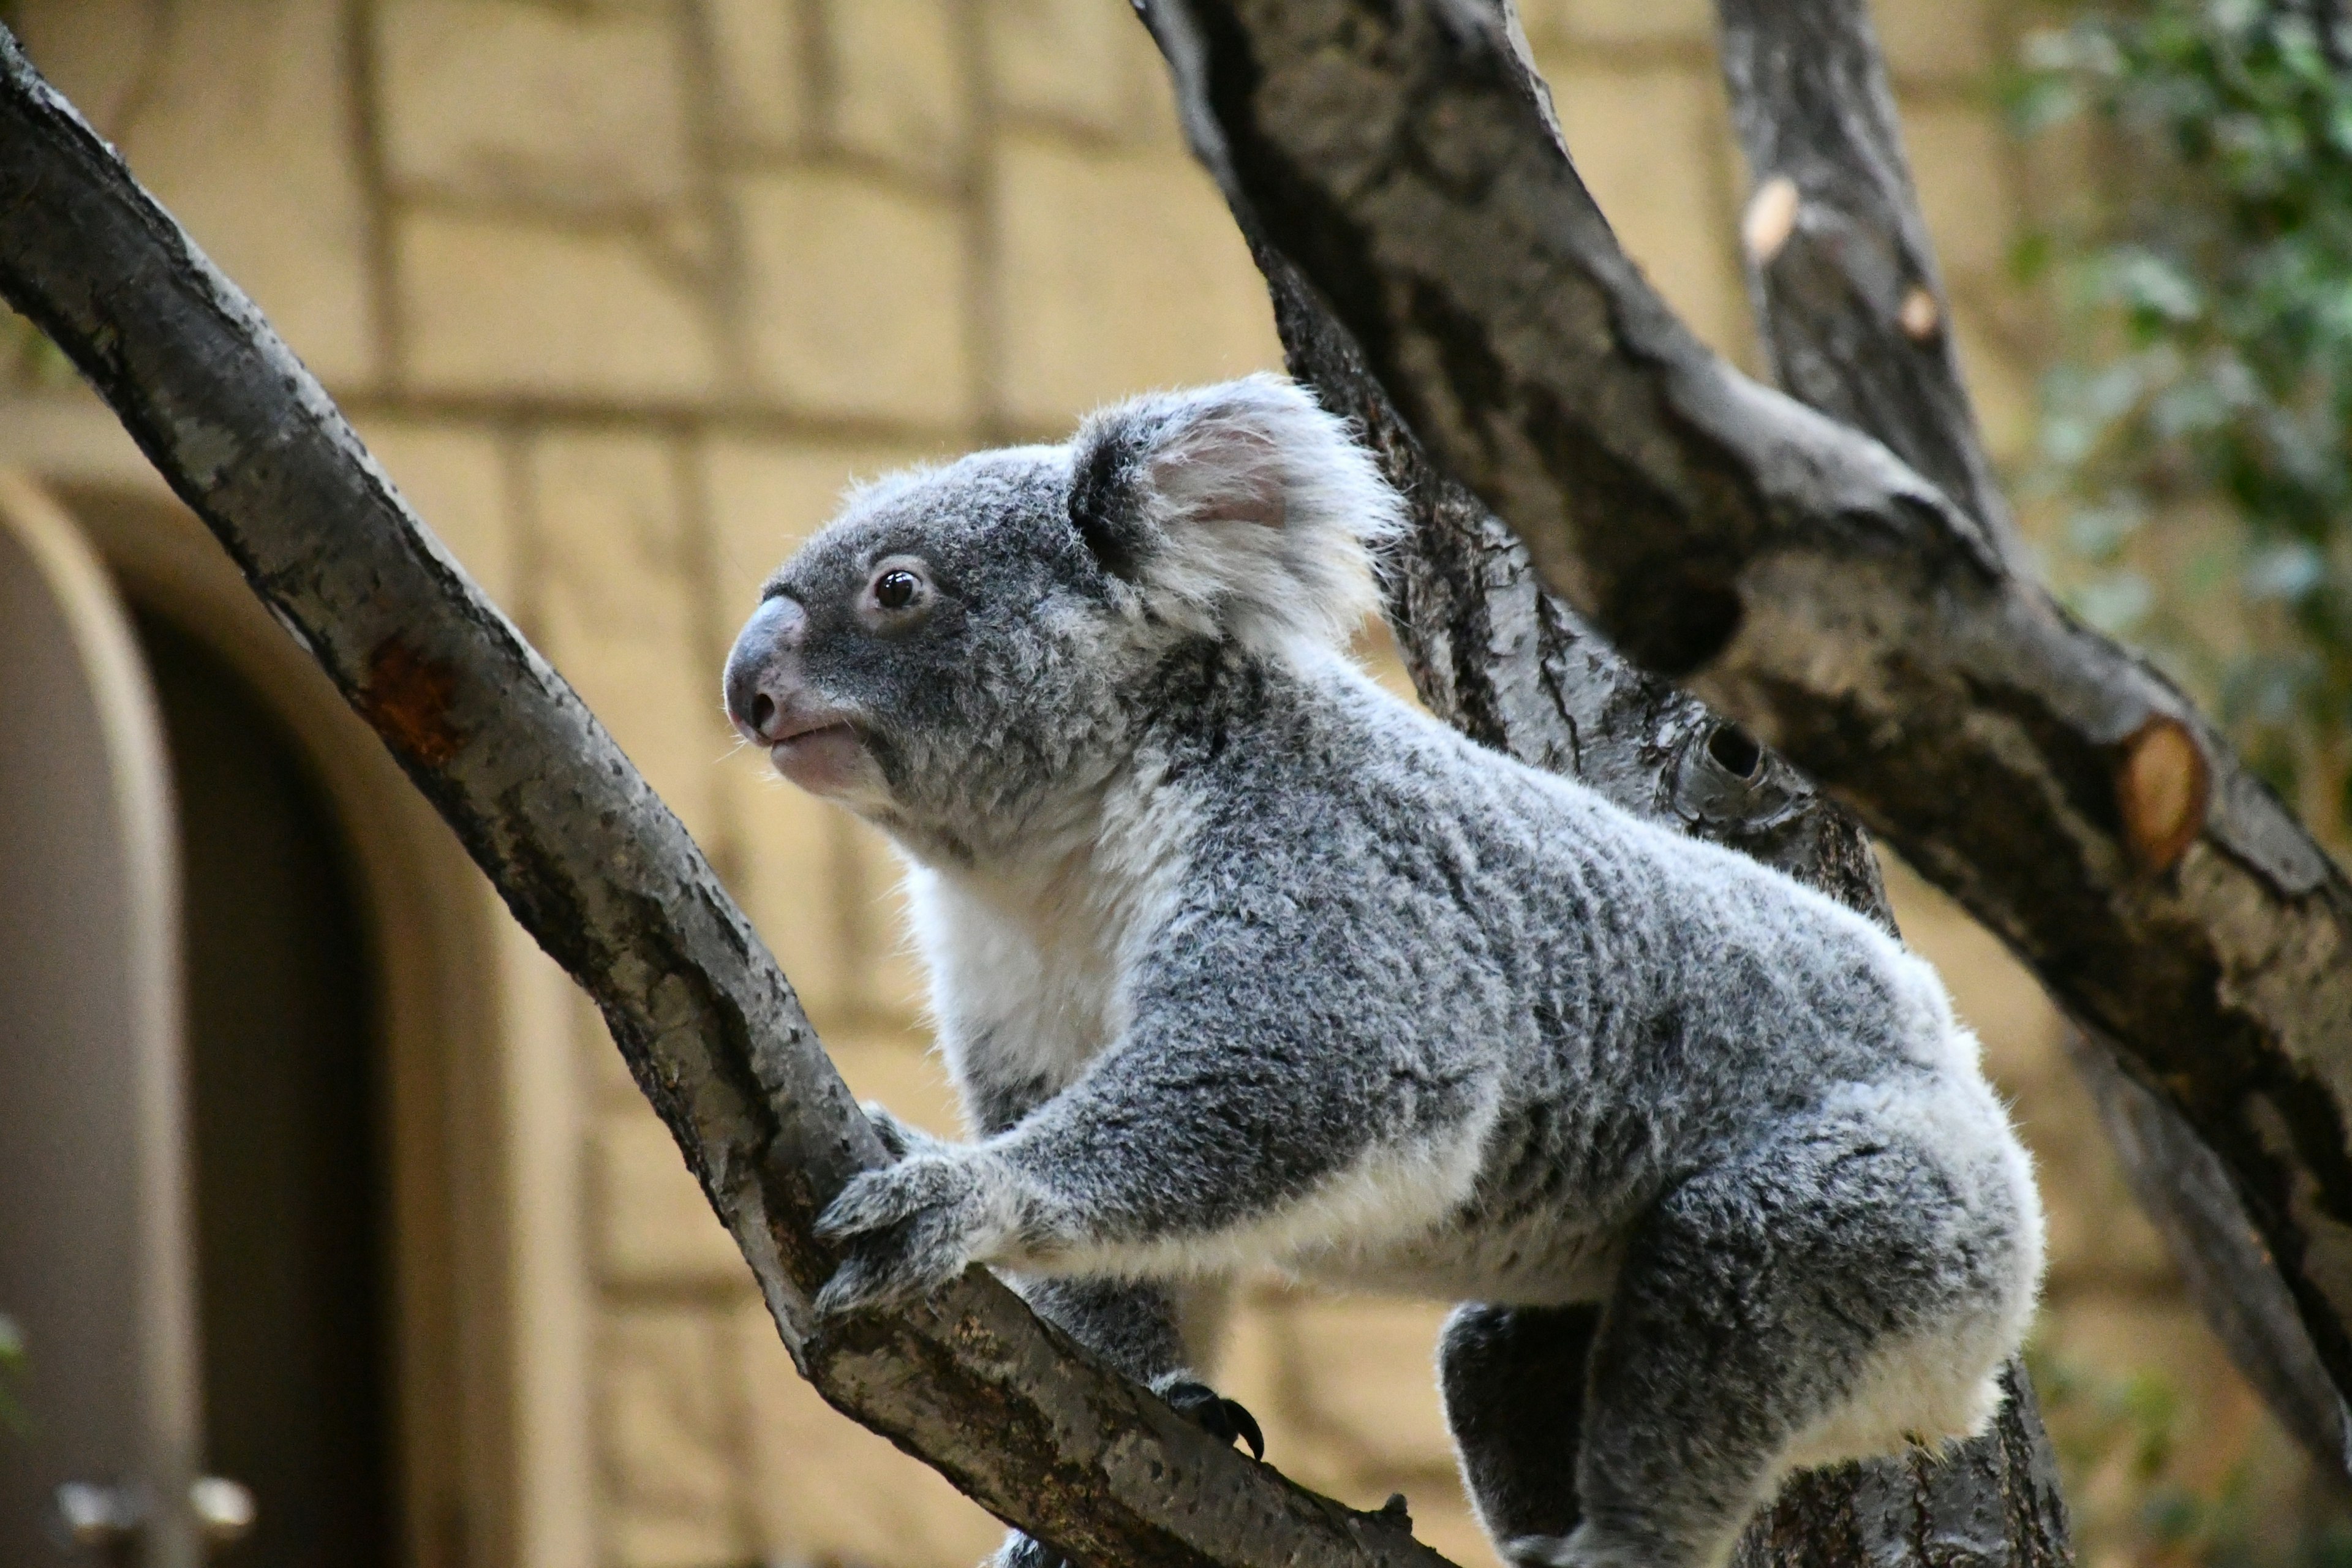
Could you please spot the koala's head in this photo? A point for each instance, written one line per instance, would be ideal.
(964, 644)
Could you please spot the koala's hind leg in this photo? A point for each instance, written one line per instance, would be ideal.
(1513, 1379)
(1841, 1292)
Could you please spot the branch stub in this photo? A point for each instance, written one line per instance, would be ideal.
(2161, 790)
(1772, 219)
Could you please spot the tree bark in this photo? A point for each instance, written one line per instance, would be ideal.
(1798, 575)
(1854, 318)
(601, 873)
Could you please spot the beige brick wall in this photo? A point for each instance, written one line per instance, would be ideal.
(624, 291)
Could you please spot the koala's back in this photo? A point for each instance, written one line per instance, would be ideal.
(1589, 1006)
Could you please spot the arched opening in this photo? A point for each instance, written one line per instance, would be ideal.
(286, 1142)
(337, 1311)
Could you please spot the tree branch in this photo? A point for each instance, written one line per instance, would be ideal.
(1799, 577)
(1846, 291)
(597, 868)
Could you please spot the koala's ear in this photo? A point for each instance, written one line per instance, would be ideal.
(1242, 509)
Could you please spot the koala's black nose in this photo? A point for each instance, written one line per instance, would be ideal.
(757, 670)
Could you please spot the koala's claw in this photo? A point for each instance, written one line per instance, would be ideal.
(903, 1232)
(1221, 1418)
(899, 1137)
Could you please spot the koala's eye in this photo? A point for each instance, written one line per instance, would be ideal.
(896, 590)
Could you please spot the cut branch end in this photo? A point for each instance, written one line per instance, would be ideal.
(1921, 317)
(2161, 791)
(1772, 219)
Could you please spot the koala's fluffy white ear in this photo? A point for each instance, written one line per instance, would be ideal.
(1242, 509)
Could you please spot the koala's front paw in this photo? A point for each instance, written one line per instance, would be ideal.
(908, 1230)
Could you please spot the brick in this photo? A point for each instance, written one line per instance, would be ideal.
(761, 79)
(654, 1228)
(892, 982)
(1441, 1520)
(1254, 1366)
(1933, 40)
(1650, 145)
(1070, 61)
(1959, 158)
(900, 92)
(2007, 404)
(239, 119)
(499, 307)
(766, 497)
(1361, 1370)
(824, 1490)
(898, 1067)
(856, 297)
(618, 614)
(456, 479)
(96, 52)
(793, 879)
(1628, 21)
(497, 101)
(1119, 272)
(669, 1429)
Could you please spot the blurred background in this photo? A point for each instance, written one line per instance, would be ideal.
(315, 1175)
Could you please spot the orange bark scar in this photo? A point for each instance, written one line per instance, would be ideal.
(2161, 791)
(407, 698)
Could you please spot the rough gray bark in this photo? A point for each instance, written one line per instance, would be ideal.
(1799, 577)
(1849, 303)
(603, 876)
(1851, 309)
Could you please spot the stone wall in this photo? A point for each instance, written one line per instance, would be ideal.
(622, 292)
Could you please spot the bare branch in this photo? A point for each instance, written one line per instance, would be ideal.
(1845, 290)
(597, 868)
(1799, 577)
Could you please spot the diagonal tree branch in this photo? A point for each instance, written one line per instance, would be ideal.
(597, 868)
(1798, 575)
(1845, 290)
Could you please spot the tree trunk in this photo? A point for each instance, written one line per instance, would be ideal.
(1855, 320)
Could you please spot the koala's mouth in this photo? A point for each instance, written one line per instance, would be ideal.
(823, 756)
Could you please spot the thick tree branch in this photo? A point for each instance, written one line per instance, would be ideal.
(1799, 577)
(1846, 291)
(1850, 306)
(603, 876)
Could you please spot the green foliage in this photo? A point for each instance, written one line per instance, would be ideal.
(2197, 437)
(2138, 1495)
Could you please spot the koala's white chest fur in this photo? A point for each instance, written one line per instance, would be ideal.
(1029, 958)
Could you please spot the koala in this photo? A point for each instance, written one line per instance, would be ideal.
(1239, 960)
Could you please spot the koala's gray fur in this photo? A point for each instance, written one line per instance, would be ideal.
(1238, 960)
